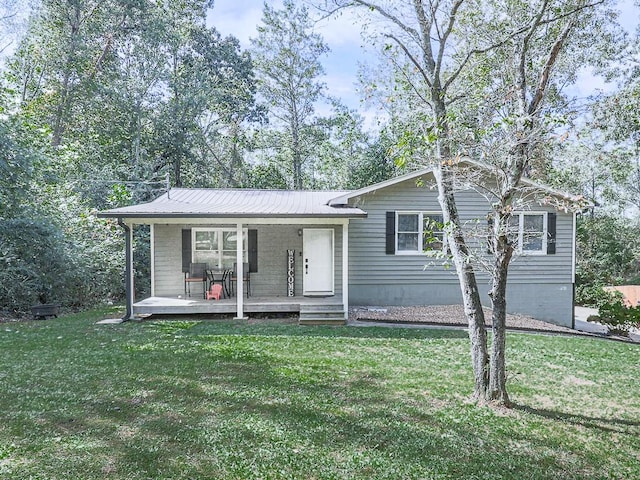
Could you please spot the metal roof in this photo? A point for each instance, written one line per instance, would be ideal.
(202, 202)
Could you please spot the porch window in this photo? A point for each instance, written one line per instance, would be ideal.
(217, 246)
(417, 232)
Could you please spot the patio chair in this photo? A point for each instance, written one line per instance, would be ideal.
(214, 292)
(197, 273)
(221, 277)
(246, 277)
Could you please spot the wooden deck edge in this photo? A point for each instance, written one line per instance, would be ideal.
(311, 312)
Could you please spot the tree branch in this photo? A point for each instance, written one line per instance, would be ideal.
(529, 27)
(425, 28)
(413, 60)
(443, 40)
(394, 19)
(545, 75)
(415, 89)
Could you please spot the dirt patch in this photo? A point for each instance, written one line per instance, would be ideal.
(573, 380)
(451, 315)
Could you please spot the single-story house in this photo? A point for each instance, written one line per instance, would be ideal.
(320, 252)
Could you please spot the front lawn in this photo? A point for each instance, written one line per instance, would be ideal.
(208, 399)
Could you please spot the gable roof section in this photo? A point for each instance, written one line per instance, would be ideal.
(344, 199)
(201, 202)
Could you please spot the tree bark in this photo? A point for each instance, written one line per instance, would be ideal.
(468, 283)
(503, 251)
(296, 155)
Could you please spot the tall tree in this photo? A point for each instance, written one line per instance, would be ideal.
(436, 47)
(95, 91)
(340, 144)
(287, 57)
(151, 89)
(376, 164)
(616, 117)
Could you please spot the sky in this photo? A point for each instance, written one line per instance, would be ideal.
(347, 52)
(240, 17)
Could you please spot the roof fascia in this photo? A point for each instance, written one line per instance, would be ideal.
(179, 220)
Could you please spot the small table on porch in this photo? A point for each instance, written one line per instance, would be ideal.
(222, 277)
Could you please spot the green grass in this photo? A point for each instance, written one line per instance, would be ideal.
(207, 399)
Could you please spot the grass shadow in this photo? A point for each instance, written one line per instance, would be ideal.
(280, 327)
(617, 425)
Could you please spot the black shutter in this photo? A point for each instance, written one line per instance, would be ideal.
(186, 249)
(551, 233)
(252, 246)
(391, 233)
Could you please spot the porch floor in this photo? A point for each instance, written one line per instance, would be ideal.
(178, 305)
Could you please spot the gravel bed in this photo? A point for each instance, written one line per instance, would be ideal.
(445, 315)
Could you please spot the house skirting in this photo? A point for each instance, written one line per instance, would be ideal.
(549, 302)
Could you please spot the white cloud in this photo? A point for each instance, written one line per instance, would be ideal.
(236, 17)
(629, 15)
(588, 83)
(341, 29)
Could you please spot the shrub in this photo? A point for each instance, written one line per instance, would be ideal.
(33, 263)
(594, 295)
(618, 316)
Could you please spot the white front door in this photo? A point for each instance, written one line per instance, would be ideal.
(317, 268)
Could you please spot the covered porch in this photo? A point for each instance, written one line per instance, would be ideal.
(292, 245)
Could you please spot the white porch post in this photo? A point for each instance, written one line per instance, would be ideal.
(129, 275)
(345, 268)
(132, 276)
(153, 258)
(239, 273)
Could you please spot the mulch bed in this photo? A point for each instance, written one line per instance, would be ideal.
(447, 315)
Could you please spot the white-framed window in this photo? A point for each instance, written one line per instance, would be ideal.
(529, 232)
(217, 246)
(417, 232)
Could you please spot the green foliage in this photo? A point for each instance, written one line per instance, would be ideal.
(266, 177)
(586, 164)
(120, 196)
(377, 163)
(19, 157)
(104, 91)
(78, 265)
(608, 249)
(593, 295)
(615, 118)
(287, 57)
(618, 316)
(34, 267)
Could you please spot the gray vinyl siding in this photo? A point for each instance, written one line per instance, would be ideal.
(271, 277)
(421, 280)
(169, 279)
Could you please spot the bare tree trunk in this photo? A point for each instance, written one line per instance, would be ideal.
(60, 119)
(468, 284)
(503, 252)
(458, 246)
(61, 110)
(296, 156)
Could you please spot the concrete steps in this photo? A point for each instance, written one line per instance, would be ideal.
(321, 314)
